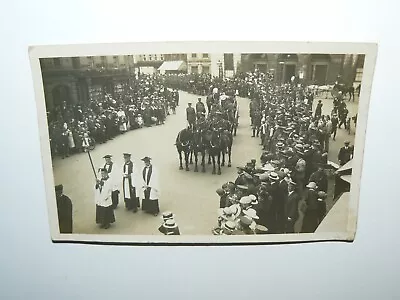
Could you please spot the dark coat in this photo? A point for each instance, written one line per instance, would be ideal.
(345, 155)
(190, 114)
(64, 210)
(292, 207)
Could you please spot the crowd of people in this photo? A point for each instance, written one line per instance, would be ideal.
(266, 197)
(291, 175)
(143, 102)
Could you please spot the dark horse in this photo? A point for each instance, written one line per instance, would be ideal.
(183, 144)
(198, 146)
(226, 146)
(214, 147)
(345, 89)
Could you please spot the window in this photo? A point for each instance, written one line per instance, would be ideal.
(144, 58)
(194, 55)
(206, 69)
(57, 62)
(103, 60)
(161, 57)
(195, 69)
(155, 56)
(115, 61)
(205, 55)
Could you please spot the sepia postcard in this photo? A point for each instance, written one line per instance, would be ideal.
(207, 142)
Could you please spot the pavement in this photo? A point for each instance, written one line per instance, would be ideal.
(190, 196)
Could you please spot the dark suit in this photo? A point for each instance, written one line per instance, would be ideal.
(64, 210)
(321, 179)
(292, 211)
(345, 155)
(312, 214)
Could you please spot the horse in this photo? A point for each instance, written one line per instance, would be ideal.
(198, 146)
(214, 147)
(345, 89)
(183, 144)
(226, 146)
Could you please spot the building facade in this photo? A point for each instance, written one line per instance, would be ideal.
(318, 69)
(78, 79)
(149, 63)
(222, 64)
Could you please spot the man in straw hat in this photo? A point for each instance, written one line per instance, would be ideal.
(165, 216)
(170, 227)
(311, 214)
(151, 188)
(292, 207)
(129, 184)
(104, 210)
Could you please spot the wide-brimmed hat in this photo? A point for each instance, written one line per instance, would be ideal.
(251, 213)
(245, 200)
(230, 225)
(167, 215)
(268, 168)
(242, 187)
(312, 185)
(236, 210)
(273, 176)
(220, 192)
(146, 159)
(260, 229)
(253, 199)
(263, 177)
(170, 223)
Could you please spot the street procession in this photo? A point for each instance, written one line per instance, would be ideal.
(186, 154)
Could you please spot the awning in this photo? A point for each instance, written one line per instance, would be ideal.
(346, 166)
(346, 178)
(172, 66)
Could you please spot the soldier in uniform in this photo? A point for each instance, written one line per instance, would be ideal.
(200, 108)
(128, 185)
(191, 115)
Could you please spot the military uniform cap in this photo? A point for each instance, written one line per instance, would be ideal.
(107, 156)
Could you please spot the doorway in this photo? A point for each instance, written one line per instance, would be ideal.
(290, 70)
(61, 95)
(319, 74)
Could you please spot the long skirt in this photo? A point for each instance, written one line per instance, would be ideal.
(104, 215)
(132, 202)
(151, 206)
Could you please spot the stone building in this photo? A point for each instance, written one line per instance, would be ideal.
(318, 69)
(79, 79)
